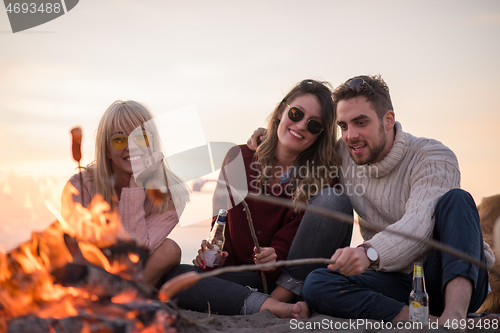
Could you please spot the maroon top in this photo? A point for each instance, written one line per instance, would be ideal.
(275, 226)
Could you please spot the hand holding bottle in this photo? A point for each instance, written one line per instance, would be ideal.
(211, 251)
(200, 260)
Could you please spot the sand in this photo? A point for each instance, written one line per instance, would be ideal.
(265, 321)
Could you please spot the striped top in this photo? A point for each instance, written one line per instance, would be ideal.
(400, 193)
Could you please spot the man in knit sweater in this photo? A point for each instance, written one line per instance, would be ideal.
(404, 183)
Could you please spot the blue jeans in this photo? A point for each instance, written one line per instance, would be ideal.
(226, 294)
(382, 295)
(241, 293)
(317, 237)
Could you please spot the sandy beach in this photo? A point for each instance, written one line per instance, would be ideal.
(265, 321)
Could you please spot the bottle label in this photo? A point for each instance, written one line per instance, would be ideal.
(212, 256)
(418, 271)
(418, 312)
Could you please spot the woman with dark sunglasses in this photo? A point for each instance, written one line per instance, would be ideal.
(289, 164)
(128, 163)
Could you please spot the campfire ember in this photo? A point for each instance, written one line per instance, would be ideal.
(82, 274)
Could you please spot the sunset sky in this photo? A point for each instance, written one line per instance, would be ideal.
(232, 61)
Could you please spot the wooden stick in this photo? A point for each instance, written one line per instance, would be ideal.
(232, 191)
(255, 241)
(348, 219)
(186, 280)
(276, 264)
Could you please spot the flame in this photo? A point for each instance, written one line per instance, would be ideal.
(85, 327)
(27, 286)
(124, 297)
(97, 224)
(93, 254)
(133, 257)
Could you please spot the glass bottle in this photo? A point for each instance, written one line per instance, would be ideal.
(419, 300)
(216, 240)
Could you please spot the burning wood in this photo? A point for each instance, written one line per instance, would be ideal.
(80, 275)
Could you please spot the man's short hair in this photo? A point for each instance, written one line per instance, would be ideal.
(373, 88)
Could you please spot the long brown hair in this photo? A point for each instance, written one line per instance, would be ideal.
(321, 155)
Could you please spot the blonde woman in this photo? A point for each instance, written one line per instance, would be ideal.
(129, 160)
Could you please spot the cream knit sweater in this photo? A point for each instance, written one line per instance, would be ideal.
(400, 193)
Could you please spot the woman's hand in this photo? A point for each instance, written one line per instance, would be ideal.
(258, 136)
(199, 261)
(142, 171)
(267, 254)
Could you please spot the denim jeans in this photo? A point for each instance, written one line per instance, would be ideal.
(226, 294)
(317, 237)
(242, 293)
(381, 295)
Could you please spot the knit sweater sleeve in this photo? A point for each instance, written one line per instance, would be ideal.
(435, 171)
(148, 229)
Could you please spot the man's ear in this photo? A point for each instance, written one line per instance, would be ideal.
(389, 119)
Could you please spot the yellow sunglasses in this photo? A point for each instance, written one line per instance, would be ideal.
(120, 140)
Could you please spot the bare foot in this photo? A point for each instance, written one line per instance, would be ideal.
(286, 310)
(301, 310)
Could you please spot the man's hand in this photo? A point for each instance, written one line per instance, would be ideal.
(257, 137)
(267, 254)
(350, 261)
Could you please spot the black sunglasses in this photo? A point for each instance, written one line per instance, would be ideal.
(357, 86)
(296, 115)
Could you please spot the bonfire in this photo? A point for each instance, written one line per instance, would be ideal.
(82, 274)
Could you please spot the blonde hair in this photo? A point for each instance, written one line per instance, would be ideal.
(321, 154)
(120, 116)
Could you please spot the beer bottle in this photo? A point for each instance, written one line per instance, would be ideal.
(419, 300)
(216, 240)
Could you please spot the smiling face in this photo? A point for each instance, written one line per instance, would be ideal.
(367, 138)
(131, 158)
(294, 137)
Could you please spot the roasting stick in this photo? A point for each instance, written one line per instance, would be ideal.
(231, 190)
(348, 219)
(186, 280)
(76, 135)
